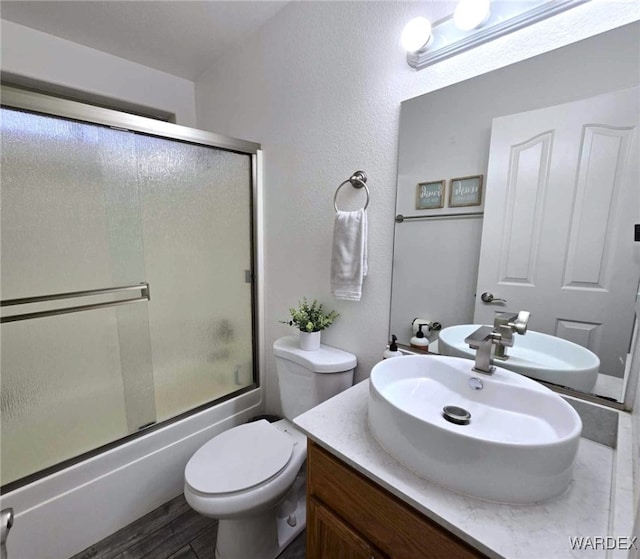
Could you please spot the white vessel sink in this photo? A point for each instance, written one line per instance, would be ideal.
(535, 355)
(520, 443)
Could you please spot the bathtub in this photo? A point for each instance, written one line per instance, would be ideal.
(66, 512)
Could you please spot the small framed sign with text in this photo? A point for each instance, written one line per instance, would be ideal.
(465, 191)
(430, 195)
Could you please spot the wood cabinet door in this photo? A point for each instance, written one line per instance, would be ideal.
(365, 512)
(329, 537)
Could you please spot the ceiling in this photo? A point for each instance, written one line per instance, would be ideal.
(181, 37)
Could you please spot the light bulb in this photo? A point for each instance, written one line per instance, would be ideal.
(470, 14)
(416, 34)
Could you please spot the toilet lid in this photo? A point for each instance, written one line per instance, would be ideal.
(239, 458)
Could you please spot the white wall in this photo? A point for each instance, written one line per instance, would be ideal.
(36, 57)
(320, 86)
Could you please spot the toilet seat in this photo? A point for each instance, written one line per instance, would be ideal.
(239, 459)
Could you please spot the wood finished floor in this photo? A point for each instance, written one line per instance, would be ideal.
(172, 531)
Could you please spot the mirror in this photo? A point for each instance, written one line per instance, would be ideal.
(447, 253)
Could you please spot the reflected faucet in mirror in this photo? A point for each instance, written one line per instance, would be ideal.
(506, 324)
(492, 342)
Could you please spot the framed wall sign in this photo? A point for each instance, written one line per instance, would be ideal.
(465, 191)
(430, 195)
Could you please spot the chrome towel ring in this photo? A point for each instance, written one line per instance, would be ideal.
(357, 180)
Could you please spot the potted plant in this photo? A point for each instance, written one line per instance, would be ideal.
(311, 320)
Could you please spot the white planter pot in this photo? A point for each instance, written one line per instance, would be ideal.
(310, 341)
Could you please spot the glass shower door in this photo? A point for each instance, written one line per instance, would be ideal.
(196, 226)
(69, 382)
(86, 207)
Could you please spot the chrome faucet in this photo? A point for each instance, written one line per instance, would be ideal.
(506, 324)
(491, 342)
(484, 340)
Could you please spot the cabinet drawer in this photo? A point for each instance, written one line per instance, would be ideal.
(331, 538)
(384, 520)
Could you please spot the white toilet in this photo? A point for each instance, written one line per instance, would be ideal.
(251, 477)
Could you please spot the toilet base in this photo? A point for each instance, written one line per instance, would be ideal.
(262, 536)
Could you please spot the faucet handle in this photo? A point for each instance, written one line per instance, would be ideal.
(521, 322)
(477, 338)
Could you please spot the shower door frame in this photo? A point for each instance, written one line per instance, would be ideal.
(49, 105)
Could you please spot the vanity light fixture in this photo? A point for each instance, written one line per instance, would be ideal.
(416, 35)
(473, 23)
(470, 14)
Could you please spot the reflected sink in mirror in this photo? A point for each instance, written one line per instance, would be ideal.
(518, 446)
(536, 355)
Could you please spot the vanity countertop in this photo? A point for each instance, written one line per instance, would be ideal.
(498, 530)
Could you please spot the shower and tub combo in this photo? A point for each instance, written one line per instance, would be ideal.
(130, 304)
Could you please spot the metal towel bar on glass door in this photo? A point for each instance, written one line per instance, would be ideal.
(142, 287)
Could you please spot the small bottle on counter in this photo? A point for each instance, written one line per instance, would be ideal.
(392, 350)
(419, 341)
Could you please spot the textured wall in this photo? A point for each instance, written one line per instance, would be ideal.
(38, 57)
(320, 87)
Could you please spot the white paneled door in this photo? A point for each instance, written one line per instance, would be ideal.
(562, 197)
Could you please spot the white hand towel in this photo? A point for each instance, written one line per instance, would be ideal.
(349, 256)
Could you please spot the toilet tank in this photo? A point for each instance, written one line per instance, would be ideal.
(307, 378)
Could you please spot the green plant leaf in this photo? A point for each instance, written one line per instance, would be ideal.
(310, 317)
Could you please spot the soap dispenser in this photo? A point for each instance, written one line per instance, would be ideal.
(419, 341)
(392, 351)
